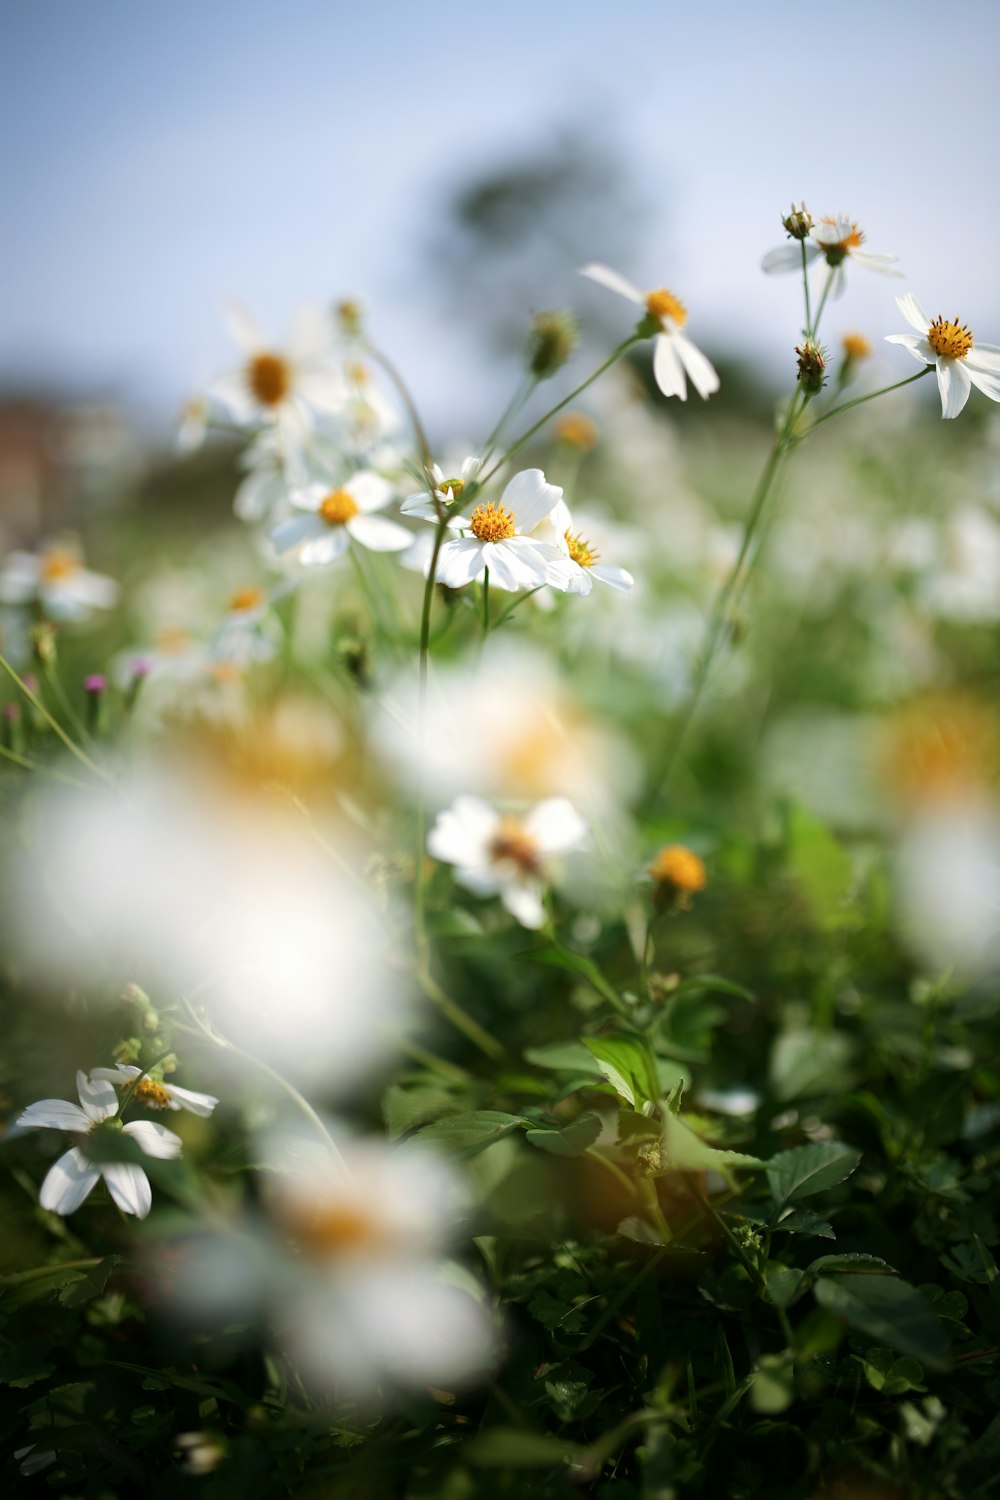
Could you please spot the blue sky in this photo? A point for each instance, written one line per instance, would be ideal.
(158, 158)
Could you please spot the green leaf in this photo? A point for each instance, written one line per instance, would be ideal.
(466, 1134)
(627, 1066)
(91, 1285)
(572, 1140)
(563, 1057)
(581, 965)
(807, 1062)
(804, 1221)
(687, 1152)
(796, 1174)
(715, 984)
(821, 866)
(512, 1447)
(889, 1310)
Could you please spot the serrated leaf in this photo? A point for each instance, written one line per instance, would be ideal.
(572, 1140)
(889, 1310)
(784, 1283)
(627, 1067)
(804, 1221)
(686, 1152)
(466, 1134)
(796, 1174)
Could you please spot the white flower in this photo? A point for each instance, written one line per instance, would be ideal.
(155, 1093)
(56, 578)
(580, 566)
(499, 855)
(334, 516)
(961, 363)
(498, 537)
(675, 359)
(282, 386)
(837, 240)
(75, 1174)
(447, 489)
(193, 426)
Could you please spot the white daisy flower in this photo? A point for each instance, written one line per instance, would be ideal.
(499, 855)
(333, 517)
(449, 491)
(154, 1093)
(838, 240)
(75, 1174)
(675, 359)
(580, 564)
(57, 580)
(498, 536)
(961, 363)
(282, 386)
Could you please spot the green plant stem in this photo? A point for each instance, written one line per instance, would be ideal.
(54, 725)
(805, 287)
(55, 686)
(426, 456)
(505, 613)
(517, 402)
(486, 602)
(831, 272)
(622, 1178)
(860, 401)
(460, 1019)
(38, 1273)
(518, 444)
(423, 652)
(756, 1275)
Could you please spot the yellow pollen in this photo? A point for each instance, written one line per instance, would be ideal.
(58, 564)
(949, 340)
(577, 430)
(247, 599)
(581, 550)
(338, 508)
(852, 240)
(680, 868)
(269, 378)
(152, 1094)
(856, 346)
(337, 1228)
(513, 844)
(491, 523)
(663, 304)
(358, 373)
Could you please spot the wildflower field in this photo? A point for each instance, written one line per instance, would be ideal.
(501, 933)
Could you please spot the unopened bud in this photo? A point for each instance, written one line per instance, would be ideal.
(350, 316)
(128, 1050)
(552, 341)
(677, 872)
(798, 223)
(43, 643)
(812, 367)
(95, 686)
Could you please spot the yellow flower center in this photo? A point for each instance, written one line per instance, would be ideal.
(173, 640)
(679, 867)
(663, 304)
(247, 599)
(491, 523)
(338, 507)
(581, 550)
(269, 378)
(856, 346)
(338, 1228)
(949, 340)
(513, 844)
(357, 373)
(852, 240)
(452, 489)
(58, 564)
(577, 430)
(152, 1094)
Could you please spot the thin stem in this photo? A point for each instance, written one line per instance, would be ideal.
(748, 1262)
(622, 1178)
(54, 683)
(53, 724)
(127, 1093)
(38, 1273)
(419, 915)
(515, 447)
(510, 411)
(486, 602)
(459, 1018)
(379, 358)
(805, 288)
(827, 285)
(506, 613)
(860, 401)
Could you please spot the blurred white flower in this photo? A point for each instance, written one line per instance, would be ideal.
(497, 854)
(56, 579)
(156, 1093)
(331, 517)
(947, 887)
(78, 1172)
(837, 240)
(448, 487)
(675, 359)
(282, 386)
(947, 344)
(498, 536)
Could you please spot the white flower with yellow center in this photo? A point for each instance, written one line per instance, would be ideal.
(281, 386)
(154, 1093)
(837, 240)
(675, 359)
(948, 344)
(56, 579)
(448, 490)
(497, 536)
(332, 516)
(496, 854)
(75, 1174)
(581, 563)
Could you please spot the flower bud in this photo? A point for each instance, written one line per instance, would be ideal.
(812, 367)
(95, 687)
(43, 643)
(798, 222)
(553, 339)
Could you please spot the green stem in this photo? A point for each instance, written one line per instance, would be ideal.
(516, 403)
(831, 272)
(38, 1273)
(506, 613)
(53, 724)
(53, 682)
(749, 1264)
(426, 456)
(515, 447)
(486, 602)
(459, 1018)
(805, 287)
(419, 912)
(860, 401)
(622, 1178)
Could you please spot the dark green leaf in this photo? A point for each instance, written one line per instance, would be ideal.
(889, 1310)
(796, 1174)
(572, 1139)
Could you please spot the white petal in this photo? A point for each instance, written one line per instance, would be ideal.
(701, 371)
(310, 496)
(567, 577)
(54, 1114)
(128, 1186)
(419, 505)
(838, 285)
(461, 834)
(919, 348)
(604, 276)
(287, 535)
(379, 534)
(954, 384)
(244, 328)
(97, 1096)
(320, 551)
(524, 902)
(190, 1099)
(913, 312)
(258, 495)
(787, 257)
(984, 380)
(556, 825)
(984, 357)
(667, 368)
(369, 490)
(67, 1182)
(459, 562)
(530, 498)
(531, 559)
(614, 577)
(884, 263)
(503, 566)
(154, 1139)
